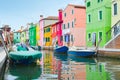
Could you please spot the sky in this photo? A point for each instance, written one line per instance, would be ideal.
(17, 13)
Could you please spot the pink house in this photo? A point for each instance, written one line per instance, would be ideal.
(57, 30)
(74, 25)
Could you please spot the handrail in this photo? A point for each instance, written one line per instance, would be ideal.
(116, 31)
(112, 27)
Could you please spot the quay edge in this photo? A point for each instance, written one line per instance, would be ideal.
(108, 52)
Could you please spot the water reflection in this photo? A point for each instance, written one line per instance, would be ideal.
(66, 67)
(23, 72)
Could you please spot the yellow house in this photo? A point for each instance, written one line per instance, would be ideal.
(37, 34)
(47, 35)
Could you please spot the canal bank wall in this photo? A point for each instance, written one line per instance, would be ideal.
(108, 52)
(101, 52)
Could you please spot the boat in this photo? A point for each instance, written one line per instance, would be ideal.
(61, 49)
(24, 55)
(82, 52)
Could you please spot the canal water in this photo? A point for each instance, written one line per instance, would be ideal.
(65, 67)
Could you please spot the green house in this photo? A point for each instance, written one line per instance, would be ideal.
(17, 36)
(32, 34)
(98, 14)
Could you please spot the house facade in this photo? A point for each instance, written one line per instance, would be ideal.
(74, 25)
(37, 34)
(115, 17)
(32, 34)
(17, 36)
(47, 35)
(98, 21)
(45, 22)
(57, 30)
(115, 12)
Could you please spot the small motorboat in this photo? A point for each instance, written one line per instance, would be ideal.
(61, 49)
(82, 52)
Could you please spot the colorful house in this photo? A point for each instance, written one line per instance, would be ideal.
(47, 35)
(7, 34)
(98, 14)
(74, 25)
(57, 30)
(17, 37)
(115, 17)
(37, 33)
(45, 22)
(115, 12)
(32, 34)
(24, 37)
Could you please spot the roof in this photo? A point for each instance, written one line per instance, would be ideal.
(76, 6)
(6, 26)
(50, 18)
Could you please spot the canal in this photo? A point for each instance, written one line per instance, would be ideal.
(65, 67)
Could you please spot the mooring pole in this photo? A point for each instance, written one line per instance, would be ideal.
(3, 43)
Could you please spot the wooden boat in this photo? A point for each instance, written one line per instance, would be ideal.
(24, 55)
(82, 52)
(61, 49)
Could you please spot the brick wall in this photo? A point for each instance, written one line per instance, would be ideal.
(115, 43)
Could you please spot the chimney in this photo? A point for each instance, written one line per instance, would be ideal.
(41, 17)
(60, 14)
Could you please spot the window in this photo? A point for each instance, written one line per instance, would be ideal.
(72, 11)
(89, 18)
(88, 4)
(72, 23)
(63, 26)
(100, 35)
(68, 25)
(115, 8)
(100, 1)
(64, 14)
(89, 37)
(100, 15)
(48, 39)
(72, 38)
(61, 38)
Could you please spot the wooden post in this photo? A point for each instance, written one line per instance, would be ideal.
(3, 43)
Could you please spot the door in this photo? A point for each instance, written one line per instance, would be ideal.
(94, 39)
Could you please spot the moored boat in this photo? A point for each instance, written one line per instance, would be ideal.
(24, 54)
(25, 57)
(61, 49)
(82, 52)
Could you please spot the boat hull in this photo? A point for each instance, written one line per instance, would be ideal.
(62, 49)
(82, 53)
(25, 57)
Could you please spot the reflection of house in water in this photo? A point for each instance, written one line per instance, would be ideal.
(74, 71)
(83, 71)
(49, 67)
(96, 72)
